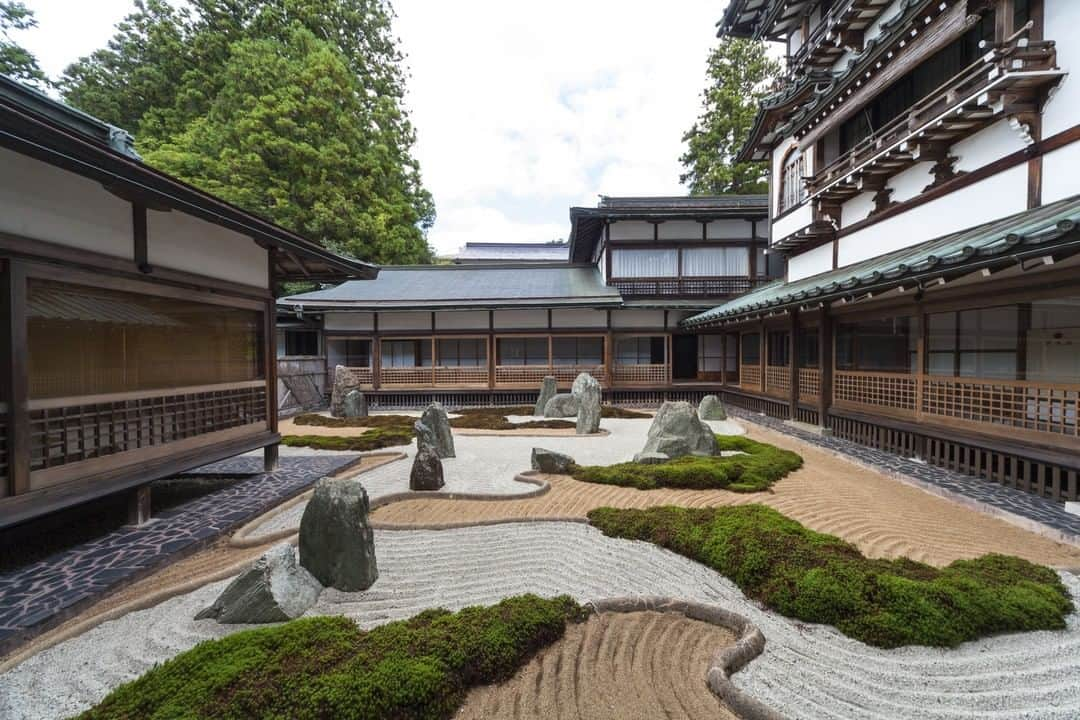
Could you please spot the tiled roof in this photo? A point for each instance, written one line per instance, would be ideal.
(999, 242)
(513, 252)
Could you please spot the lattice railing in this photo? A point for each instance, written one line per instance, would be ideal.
(64, 431)
(655, 374)
(876, 390)
(750, 377)
(809, 384)
(1018, 404)
(362, 376)
(462, 376)
(533, 375)
(718, 286)
(778, 379)
(441, 376)
(407, 376)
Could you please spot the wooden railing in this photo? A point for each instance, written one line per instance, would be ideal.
(876, 391)
(655, 374)
(1039, 407)
(462, 376)
(717, 286)
(533, 375)
(362, 376)
(73, 429)
(778, 380)
(750, 377)
(438, 376)
(809, 384)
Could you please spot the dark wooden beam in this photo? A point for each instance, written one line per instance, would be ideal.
(825, 363)
(139, 231)
(138, 509)
(16, 378)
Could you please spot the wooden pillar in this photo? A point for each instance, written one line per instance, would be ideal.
(826, 352)
(138, 509)
(919, 329)
(491, 360)
(609, 353)
(793, 362)
(270, 458)
(376, 353)
(14, 374)
(763, 347)
(723, 359)
(270, 452)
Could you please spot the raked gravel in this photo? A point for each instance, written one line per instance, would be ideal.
(806, 671)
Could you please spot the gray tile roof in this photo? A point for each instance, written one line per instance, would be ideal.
(513, 252)
(451, 286)
(1032, 232)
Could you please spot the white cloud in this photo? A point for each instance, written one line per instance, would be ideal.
(478, 223)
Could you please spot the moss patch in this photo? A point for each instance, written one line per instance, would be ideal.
(494, 418)
(326, 667)
(373, 439)
(759, 467)
(822, 579)
(389, 422)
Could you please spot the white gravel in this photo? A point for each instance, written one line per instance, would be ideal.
(807, 671)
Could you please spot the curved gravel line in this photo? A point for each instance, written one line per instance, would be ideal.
(804, 671)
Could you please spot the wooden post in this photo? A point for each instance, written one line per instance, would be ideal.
(918, 322)
(793, 362)
(376, 353)
(270, 452)
(763, 348)
(609, 353)
(138, 509)
(16, 376)
(723, 359)
(826, 352)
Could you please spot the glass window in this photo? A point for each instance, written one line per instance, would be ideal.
(710, 353)
(885, 345)
(577, 351)
(1052, 341)
(731, 355)
(808, 352)
(298, 342)
(779, 348)
(350, 352)
(462, 352)
(406, 353)
(521, 351)
(730, 261)
(751, 349)
(792, 187)
(642, 263)
(646, 350)
(90, 340)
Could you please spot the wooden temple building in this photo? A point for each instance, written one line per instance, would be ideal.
(136, 314)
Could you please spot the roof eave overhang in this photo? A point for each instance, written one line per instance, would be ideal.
(494, 304)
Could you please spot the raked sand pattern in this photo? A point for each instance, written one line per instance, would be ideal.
(805, 671)
(614, 666)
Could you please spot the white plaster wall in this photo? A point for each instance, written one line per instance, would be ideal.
(810, 263)
(911, 182)
(511, 319)
(183, 242)
(680, 230)
(794, 220)
(676, 316)
(1061, 173)
(856, 209)
(42, 202)
(731, 229)
(1060, 20)
(349, 321)
(996, 197)
(405, 320)
(631, 230)
(461, 320)
(637, 318)
(578, 318)
(986, 146)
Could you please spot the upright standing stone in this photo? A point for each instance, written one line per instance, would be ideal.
(677, 431)
(337, 545)
(587, 391)
(274, 589)
(548, 390)
(435, 418)
(344, 382)
(425, 437)
(427, 471)
(355, 405)
(710, 408)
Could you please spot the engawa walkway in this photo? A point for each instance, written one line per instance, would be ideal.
(37, 596)
(1032, 508)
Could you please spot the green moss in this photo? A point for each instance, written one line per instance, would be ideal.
(820, 578)
(369, 440)
(326, 667)
(756, 469)
(388, 422)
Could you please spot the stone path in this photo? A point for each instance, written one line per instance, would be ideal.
(35, 596)
(1047, 512)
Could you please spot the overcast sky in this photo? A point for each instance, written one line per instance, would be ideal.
(521, 110)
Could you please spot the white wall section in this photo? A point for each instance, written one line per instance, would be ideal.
(183, 242)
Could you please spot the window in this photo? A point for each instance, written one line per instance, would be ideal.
(751, 349)
(577, 351)
(886, 345)
(731, 358)
(91, 340)
(644, 262)
(731, 261)
(464, 352)
(807, 352)
(350, 352)
(292, 343)
(792, 188)
(406, 353)
(779, 348)
(521, 351)
(640, 350)
(710, 353)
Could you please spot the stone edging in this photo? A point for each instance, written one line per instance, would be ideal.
(749, 644)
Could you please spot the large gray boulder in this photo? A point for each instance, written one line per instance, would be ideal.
(354, 405)
(677, 431)
(549, 461)
(427, 471)
(563, 405)
(710, 408)
(337, 545)
(344, 383)
(425, 437)
(548, 390)
(435, 417)
(274, 589)
(587, 391)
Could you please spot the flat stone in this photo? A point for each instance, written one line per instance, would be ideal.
(563, 405)
(337, 545)
(677, 431)
(274, 589)
(355, 404)
(549, 461)
(710, 408)
(548, 389)
(587, 390)
(344, 382)
(435, 417)
(427, 471)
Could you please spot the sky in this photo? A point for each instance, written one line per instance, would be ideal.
(521, 110)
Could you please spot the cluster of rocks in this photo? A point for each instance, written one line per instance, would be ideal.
(337, 549)
(434, 441)
(583, 402)
(677, 431)
(346, 400)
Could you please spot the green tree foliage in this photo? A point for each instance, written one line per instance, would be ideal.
(739, 75)
(15, 60)
(289, 108)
